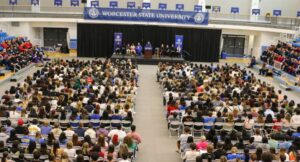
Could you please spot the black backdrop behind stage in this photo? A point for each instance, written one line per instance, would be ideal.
(97, 40)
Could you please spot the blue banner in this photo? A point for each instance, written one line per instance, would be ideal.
(255, 11)
(162, 6)
(235, 10)
(276, 12)
(178, 42)
(130, 4)
(35, 2)
(74, 2)
(117, 40)
(298, 14)
(163, 16)
(180, 7)
(57, 2)
(13, 2)
(198, 8)
(113, 4)
(216, 8)
(146, 5)
(94, 3)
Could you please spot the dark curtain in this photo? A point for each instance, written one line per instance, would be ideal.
(97, 40)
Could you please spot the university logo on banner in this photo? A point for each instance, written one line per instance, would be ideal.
(13, 2)
(74, 2)
(180, 7)
(178, 42)
(146, 5)
(255, 11)
(276, 12)
(35, 2)
(234, 10)
(162, 6)
(198, 8)
(117, 40)
(130, 4)
(57, 2)
(95, 3)
(113, 4)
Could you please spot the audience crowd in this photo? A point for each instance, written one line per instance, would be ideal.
(72, 111)
(286, 55)
(235, 115)
(20, 52)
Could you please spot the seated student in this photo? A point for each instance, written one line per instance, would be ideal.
(252, 62)
(132, 49)
(191, 154)
(263, 70)
(219, 152)
(209, 119)
(209, 155)
(26, 138)
(234, 154)
(296, 134)
(183, 138)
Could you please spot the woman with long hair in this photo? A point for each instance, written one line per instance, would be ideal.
(86, 149)
(75, 140)
(63, 138)
(44, 150)
(258, 153)
(31, 147)
(56, 150)
(102, 143)
(123, 150)
(130, 143)
(50, 139)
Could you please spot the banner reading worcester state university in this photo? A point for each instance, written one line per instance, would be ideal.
(122, 14)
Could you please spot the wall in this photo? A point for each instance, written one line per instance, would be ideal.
(289, 7)
(171, 5)
(226, 5)
(264, 39)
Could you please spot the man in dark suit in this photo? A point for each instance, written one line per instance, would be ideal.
(219, 152)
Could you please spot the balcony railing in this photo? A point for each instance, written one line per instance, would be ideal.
(215, 18)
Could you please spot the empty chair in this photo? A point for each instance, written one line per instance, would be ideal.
(174, 127)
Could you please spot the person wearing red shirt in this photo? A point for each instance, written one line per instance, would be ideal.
(28, 45)
(4, 45)
(21, 48)
(171, 107)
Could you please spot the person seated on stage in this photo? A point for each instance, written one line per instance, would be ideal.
(168, 51)
(132, 49)
(118, 50)
(139, 49)
(162, 50)
(263, 70)
(123, 49)
(128, 49)
(172, 51)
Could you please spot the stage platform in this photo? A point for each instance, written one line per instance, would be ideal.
(153, 61)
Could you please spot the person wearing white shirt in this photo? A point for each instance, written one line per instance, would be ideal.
(69, 132)
(70, 150)
(90, 131)
(191, 154)
(296, 118)
(121, 134)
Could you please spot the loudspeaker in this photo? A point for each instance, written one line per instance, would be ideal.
(208, 7)
(83, 1)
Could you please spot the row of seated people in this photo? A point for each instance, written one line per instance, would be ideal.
(226, 94)
(64, 91)
(286, 55)
(162, 51)
(19, 51)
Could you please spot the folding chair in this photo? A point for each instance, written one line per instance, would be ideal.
(174, 127)
(106, 123)
(115, 123)
(228, 127)
(95, 123)
(218, 126)
(197, 129)
(188, 124)
(74, 123)
(208, 126)
(63, 124)
(126, 125)
(239, 126)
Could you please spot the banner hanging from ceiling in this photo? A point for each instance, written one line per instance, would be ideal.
(162, 16)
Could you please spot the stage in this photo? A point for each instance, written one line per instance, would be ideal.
(153, 61)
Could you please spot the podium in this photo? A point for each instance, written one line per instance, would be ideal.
(148, 53)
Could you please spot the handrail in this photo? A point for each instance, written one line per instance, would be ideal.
(17, 66)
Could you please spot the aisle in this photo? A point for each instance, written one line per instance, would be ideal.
(156, 145)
